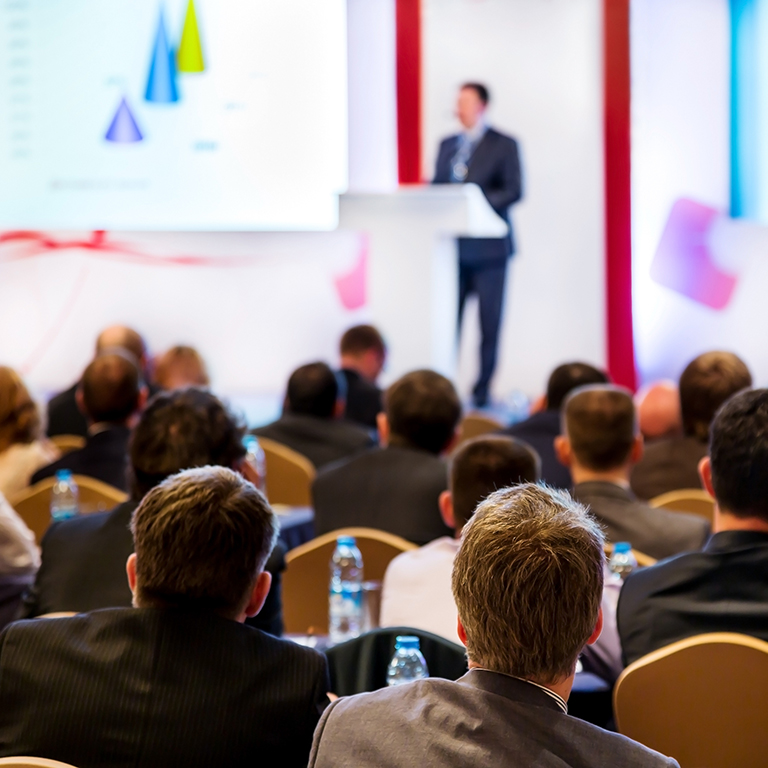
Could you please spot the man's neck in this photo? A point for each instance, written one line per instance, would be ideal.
(618, 476)
(350, 363)
(562, 687)
(726, 521)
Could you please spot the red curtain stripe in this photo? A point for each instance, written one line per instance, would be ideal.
(408, 20)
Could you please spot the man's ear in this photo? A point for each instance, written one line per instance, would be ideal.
(563, 450)
(130, 569)
(638, 448)
(80, 400)
(598, 628)
(445, 502)
(461, 631)
(453, 442)
(382, 423)
(143, 397)
(339, 407)
(705, 473)
(259, 593)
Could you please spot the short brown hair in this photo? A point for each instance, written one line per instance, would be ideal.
(601, 425)
(484, 465)
(201, 538)
(528, 581)
(110, 386)
(423, 410)
(361, 338)
(181, 366)
(19, 417)
(705, 384)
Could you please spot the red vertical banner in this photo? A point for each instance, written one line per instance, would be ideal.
(408, 19)
(618, 201)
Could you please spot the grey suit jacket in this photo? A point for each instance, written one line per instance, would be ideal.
(655, 532)
(482, 719)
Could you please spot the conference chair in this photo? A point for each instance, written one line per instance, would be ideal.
(305, 580)
(33, 504)
(701, 700)
(360, 664)
(67, 443)
(643, 560)
(694, 500)
(289, 475)
(475, 425)
(31, 762)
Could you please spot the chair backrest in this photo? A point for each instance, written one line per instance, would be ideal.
(289, 475)
(67, 443)
(305, 581)
(701, 700)
(31, 762)
(693, 500)
(33, 504)
(360, 665)
(476, 424)
(643, 560)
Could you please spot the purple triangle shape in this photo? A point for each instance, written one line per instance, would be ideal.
(123, 129)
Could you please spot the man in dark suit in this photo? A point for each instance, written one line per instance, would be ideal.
(363, 354)
(110, 393)
(671, 463)
(64, 415)
(396, 488)
(527, 581)
(83, 559)
(601, 442)
(178, 680)
(542, 427)
(724, 588)
(483, 156)
(311, 423)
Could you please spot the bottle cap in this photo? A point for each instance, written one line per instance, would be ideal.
(622, 547)
(407, 641)
(249, 440)
(63, 474)
(346, 541)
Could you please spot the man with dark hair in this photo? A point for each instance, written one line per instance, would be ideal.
(600, 443)
(723, 588)
(483, 156)
(109, 394)
(177, 679)
(672, 463)
(541, 428)
(311, 423)
(527, 581)
(417, 585)
(363, 354)
(396, 488)
(83, 559)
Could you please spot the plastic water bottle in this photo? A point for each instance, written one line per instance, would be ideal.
(64, 496)
(254, 455)
(407, 664)
(622, 561)
(345, 603)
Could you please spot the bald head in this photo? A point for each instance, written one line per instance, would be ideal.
(658, 410)
(110, 389)
(122, 337)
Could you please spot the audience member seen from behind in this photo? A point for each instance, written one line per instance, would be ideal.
(177, 680)
(417, 585)
(311, 423)
(64, 415)
(600, 443)
(110, 395)
(396, 487)
(658, 411)
(22, 451)
(527, 581)
(180, 367)
(672, 464)
(83, 559)
(542, 427)
(724, 588)
(363, 354)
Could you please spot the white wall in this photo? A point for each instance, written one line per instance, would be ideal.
(542, 61)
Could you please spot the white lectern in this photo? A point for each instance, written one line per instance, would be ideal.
(413, 266)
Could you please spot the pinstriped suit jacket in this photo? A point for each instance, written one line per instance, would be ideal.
(154, 687)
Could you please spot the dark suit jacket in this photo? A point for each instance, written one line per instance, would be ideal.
(658, 533)
(667, 465)
(130, 687)
(64, 417)
(724, 588)
(83, 569)
(540, 431)
(482, 719)
(394, 489)
(105, 457)
(363, 399)
(322, 441)
(495, 168)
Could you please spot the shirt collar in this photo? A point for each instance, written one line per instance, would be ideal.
(556, 697)
(476, 132)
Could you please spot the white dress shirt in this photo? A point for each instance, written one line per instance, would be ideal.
(19, 554)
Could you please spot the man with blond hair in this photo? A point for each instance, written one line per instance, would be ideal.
(527, 580)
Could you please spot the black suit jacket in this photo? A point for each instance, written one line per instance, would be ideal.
(363, 399)
(724, 588)
(394, 489)
(658, 533)
(495, 168)
(104, 456)
(540, 431)
(669, 464)
(322, 441)
(64, 417)
(83, 569)
(130, 687)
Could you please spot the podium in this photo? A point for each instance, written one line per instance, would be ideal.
(413, 266)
